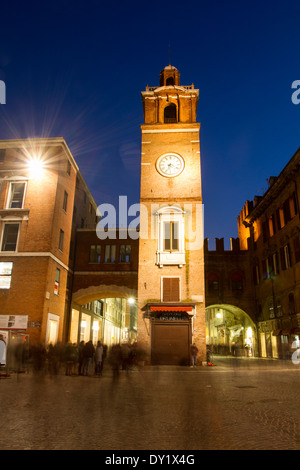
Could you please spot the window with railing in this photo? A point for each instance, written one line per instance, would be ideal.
(170, 113)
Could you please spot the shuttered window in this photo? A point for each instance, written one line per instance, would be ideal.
(171, 291)
(171, 236)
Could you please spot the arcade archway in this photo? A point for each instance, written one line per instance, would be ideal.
(230, 331)
(107, 313)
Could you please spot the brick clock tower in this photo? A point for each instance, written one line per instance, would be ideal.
(171, 310)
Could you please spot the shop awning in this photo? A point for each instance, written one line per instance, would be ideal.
(171, 309)
(286, 332)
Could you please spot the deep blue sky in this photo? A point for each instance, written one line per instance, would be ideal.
(76, 69)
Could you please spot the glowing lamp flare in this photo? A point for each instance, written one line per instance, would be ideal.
(36, 166)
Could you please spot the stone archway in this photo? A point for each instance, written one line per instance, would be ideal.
(107, 313)
(230, 331)
(82, 296)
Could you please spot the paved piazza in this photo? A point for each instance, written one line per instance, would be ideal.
(238, 404)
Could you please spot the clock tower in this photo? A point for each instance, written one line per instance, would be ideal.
(171, 310)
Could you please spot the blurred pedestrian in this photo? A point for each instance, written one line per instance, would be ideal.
(54, 356)
(80, 358)
(125, 354)
(88, 355)
(194, 352)
(38, 356)
(98, 358)
(70, 358)
(115, 359)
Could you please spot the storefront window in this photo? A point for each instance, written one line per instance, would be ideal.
(74, 326)
(85, 327)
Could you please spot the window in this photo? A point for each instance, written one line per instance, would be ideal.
(271, 225)
(287, 212)
(265, 231)
(271, 309)
(95, 253)
(280, 217)
(275, 264)
(171, 236)
(65, 201)
(125, 252)
(110, 254)
(270, 266)
(61, 240)
(16, 195)
(98, 307)
(5, 274)
(56, 283)
(171, 289)
(170, 113)
(293, 205)
(278, 308)
(296, 242)
(170, 81)
(10, 237)
(285, 257)
(68, 168)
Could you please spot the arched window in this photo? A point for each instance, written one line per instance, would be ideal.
(170, 113)
(170, 81)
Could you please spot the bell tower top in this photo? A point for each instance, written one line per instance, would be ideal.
(169, 76)
(170, 102)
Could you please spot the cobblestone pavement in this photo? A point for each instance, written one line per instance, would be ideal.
(238, 404)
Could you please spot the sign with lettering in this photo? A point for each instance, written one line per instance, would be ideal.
(172, 316)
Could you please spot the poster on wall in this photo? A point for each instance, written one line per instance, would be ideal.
(3, 346)
(13, 322)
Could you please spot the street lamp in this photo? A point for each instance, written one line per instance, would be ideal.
(35, 166)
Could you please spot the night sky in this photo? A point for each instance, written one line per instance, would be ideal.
(76, 69)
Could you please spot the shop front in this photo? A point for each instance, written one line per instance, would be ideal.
(14, 343)
(171, 334)
(230, 331)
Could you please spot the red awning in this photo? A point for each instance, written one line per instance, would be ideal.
(171, 309)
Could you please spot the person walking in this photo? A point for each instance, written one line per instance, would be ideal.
(194, 352)
(88, 354)
(80, 358)
(98, 358)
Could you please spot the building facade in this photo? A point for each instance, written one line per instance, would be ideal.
(171, 304)
(163, 287)
(104, 289)
(43, 198)
(269, 229)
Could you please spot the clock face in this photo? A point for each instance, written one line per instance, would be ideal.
(170, 165)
